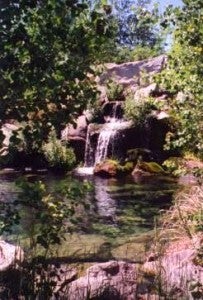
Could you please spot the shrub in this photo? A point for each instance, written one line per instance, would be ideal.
(126, 54)
(137, 110)
(114, 90)
(60, 157)
(185, 218)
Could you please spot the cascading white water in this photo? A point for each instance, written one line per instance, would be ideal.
(101, 139)
(106, 135)
(89, 151)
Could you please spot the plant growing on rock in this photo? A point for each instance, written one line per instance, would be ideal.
(60, 157)
(114, 91)
(137, 110)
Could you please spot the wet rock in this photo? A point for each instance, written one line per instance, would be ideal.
(107, 168)
(110, 280)
(147, 169)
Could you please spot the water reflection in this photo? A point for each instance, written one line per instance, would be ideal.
(106, 205)
(119, 206)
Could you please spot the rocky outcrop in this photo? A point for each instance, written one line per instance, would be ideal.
(132, 73)
(110, 280)
(177, 270)
(135, 77)
(9, 255)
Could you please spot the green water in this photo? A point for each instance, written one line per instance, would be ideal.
(118, 221)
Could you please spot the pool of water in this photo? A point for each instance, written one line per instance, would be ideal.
(117, 221)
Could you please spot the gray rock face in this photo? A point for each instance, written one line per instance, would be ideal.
(79, 131)
(110, 280)
(9, 255)
(7, 130)
(130, 73)
(177, 270)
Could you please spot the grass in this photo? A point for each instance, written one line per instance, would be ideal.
(185, 218)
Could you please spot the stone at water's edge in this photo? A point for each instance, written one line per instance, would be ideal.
(106, 169)
(110, 280)
(9, 255)
(111, 168)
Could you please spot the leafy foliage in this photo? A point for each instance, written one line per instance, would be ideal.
(136, 23)
(46, 53)
(184, 73)
(114, 90)
(59, 156)
(136, 53)
(53, 214)
(137, 110)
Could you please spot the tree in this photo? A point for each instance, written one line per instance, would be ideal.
(184, 73)
(47, 52)
(136, 23)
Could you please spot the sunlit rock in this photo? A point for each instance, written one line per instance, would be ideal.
(110, 280)
(9, 255)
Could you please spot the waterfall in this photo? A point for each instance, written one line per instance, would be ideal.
(96, 152)
(106, 137)
(89, 150)
(107, 142)
(103, 140)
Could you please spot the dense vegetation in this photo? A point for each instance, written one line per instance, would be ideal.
(184, 74)
(47, 54)
(49, 51)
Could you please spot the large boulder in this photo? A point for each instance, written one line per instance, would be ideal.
(110, 280)
(7, 129)
(132, 73)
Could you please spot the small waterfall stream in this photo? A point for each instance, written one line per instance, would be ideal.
(108, 141)
(103, 140)
(106, 137)
(97, 152)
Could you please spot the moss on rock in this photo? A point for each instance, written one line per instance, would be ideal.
(112, 168)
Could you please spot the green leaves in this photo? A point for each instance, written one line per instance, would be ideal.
(59, 156)
(46, 47)
(184, 73)
(53, 213)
